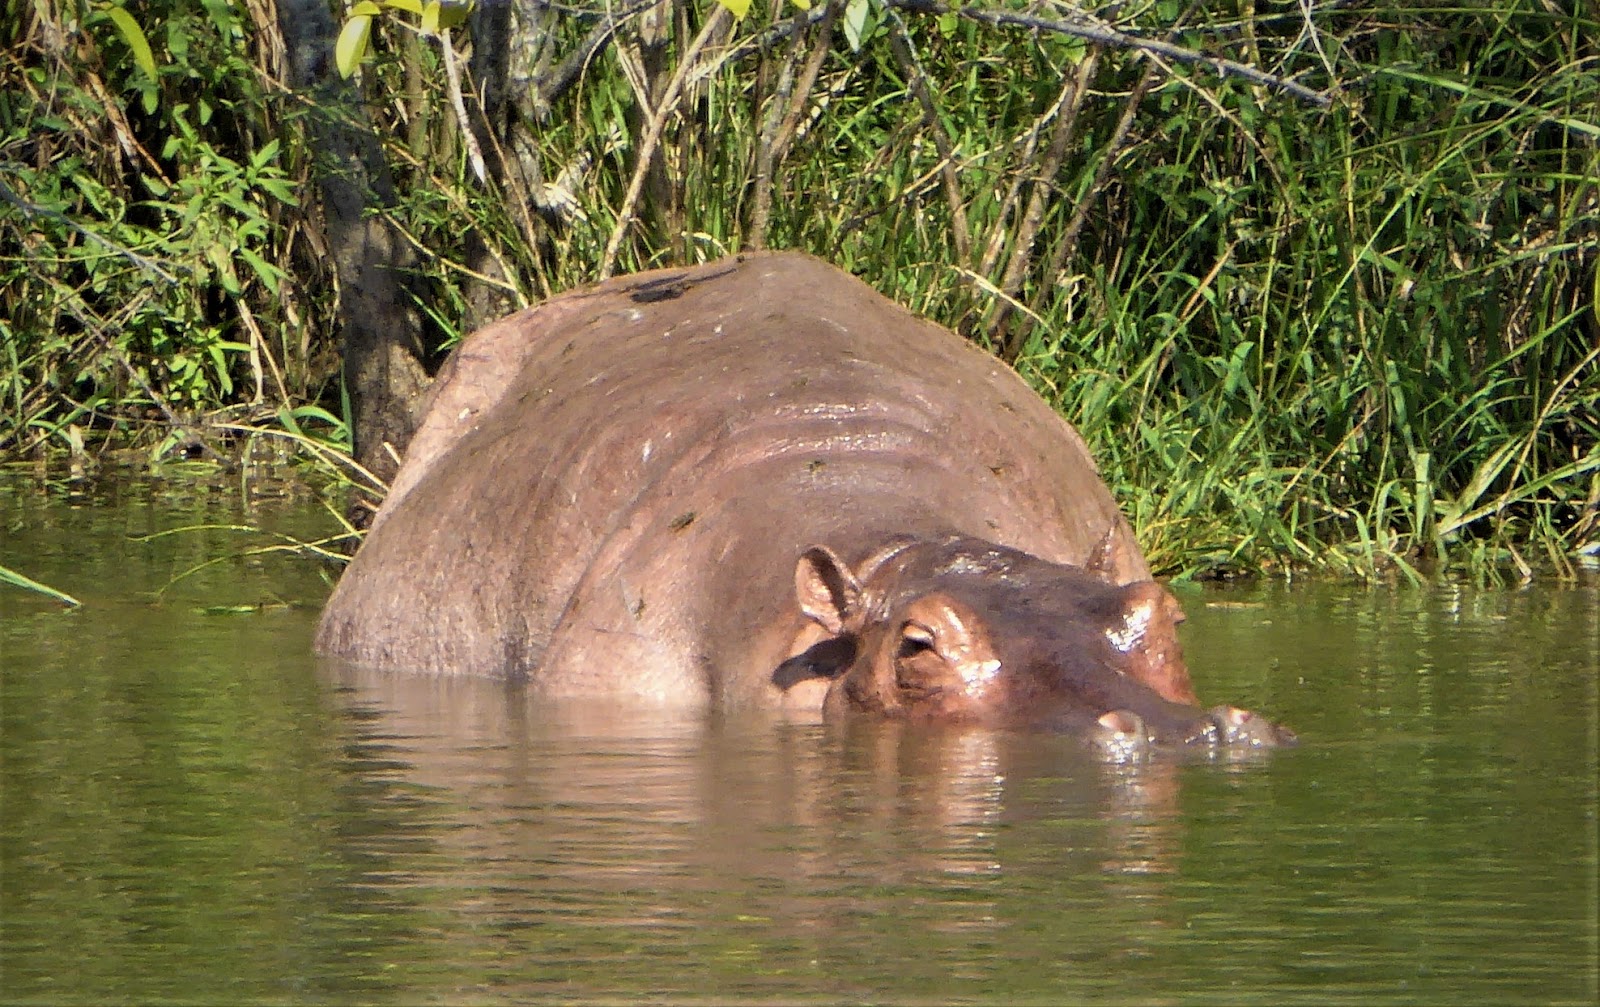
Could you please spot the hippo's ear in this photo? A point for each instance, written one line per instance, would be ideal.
(1145, 630)
(827, 590)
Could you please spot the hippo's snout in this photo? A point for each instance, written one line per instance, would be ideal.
(1123, 733)
(1232, 727)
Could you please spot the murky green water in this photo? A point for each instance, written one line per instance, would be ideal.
(194, 809)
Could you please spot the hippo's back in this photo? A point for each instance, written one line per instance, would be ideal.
(615, 477)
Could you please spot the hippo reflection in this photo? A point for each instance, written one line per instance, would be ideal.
(759, 483)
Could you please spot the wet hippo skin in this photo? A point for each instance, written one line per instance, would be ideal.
(759, 482)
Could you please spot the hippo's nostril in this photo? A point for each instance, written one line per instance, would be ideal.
(1122, 735)
(1234, 726)
(1122, 722)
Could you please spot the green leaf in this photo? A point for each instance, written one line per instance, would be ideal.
(313, 413)
(133, 35)
(264, 156)
(268, 274)
(352, 44)
(857, 23)
(409, 6)
(280, 189)
(452, 15)
(8, 576)
(222, 262)
(223, 16)
(177, 43)
(219, 361)
(287, 418)
(738, 8)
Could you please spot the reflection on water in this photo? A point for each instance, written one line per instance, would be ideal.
(764, 859)
(195, 809)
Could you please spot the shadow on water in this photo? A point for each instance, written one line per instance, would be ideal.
(197, 810)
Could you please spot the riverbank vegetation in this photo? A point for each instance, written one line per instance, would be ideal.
(1316, 281)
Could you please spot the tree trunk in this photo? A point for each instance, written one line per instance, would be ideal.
(490, 28)
(381, 327)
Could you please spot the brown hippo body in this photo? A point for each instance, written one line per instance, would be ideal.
(696, 486)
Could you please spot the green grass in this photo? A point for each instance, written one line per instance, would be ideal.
(1358, 339)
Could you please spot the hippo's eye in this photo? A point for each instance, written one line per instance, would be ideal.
(914, 639)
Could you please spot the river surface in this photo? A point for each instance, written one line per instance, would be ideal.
(197, 810)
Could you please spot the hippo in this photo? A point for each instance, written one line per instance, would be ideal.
(759, 483)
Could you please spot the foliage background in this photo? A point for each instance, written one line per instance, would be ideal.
(1360, 336)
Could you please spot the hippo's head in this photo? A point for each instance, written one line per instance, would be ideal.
(965, 630)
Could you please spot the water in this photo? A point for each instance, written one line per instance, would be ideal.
(197, 810)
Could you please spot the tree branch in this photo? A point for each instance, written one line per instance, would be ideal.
(652, 136)
(917, 81)
(551, 86)
(30, 209)
(1103, 34)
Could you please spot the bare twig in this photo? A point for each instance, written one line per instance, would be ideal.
(551, 86)
(259, 351)
(790, 100)
(1068, 241)
(652, 136)
(1038, 200)
(1025, 151)
(900, 43)
(452, 75)
(778, 32)
(808, 78)
(35, 210)
(1103, 34)
(767, 150)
